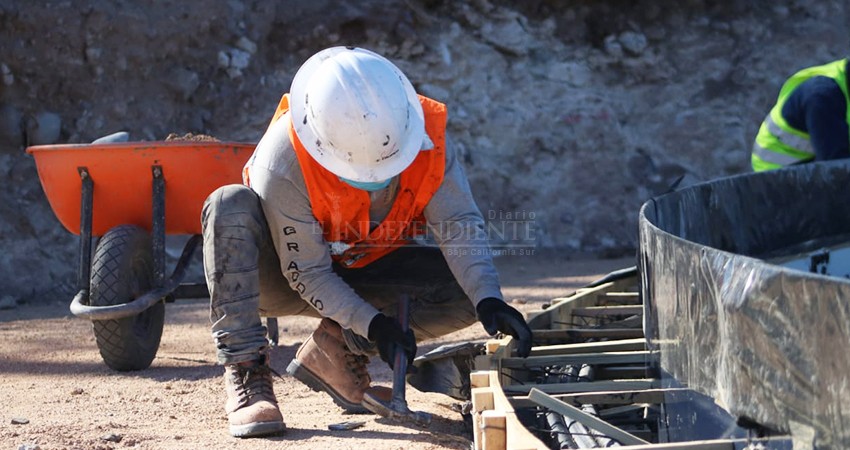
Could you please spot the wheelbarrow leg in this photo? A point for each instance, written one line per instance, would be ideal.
(158, 226)
(84, 271)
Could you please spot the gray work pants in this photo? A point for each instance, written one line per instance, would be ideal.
(245, 281)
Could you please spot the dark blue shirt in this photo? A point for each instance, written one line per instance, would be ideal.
(818, 107)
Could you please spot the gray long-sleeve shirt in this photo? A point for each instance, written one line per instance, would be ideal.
(453, 219)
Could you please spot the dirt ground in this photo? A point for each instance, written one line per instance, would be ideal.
(54, 381)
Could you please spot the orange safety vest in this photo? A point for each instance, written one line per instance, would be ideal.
(343, 211)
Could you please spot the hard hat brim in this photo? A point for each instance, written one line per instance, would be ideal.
(325, 155)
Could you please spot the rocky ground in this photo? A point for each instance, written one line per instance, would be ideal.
(57, 393)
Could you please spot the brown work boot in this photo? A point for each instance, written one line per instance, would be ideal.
(251, 405)
(325, 363)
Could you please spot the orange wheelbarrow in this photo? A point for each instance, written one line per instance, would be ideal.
(130, 195)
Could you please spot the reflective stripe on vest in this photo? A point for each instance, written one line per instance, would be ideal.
(792, 140)
(343, 211)
(772, 157)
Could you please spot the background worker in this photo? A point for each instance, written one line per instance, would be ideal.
(809, 120)
(353, 165)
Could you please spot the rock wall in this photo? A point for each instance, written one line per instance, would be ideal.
(568, 114)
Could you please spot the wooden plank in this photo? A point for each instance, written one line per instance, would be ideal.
(651, 396)
(482, 400)
(518, 437)
(596, 311)
(619, 298)
(494, 430)
(560, 309)
(584, 418)
(479, 379)
(588, 333)
(578, 358)
(591, 386)
(491, 346)
(620, 345)
(628, 322)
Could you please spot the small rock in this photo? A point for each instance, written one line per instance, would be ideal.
(223, 59)
(43, 128)
(247, 45)
(29, 447)
(346, 426)
(112, 437)
(239, 59)
(613, 47)
(119, 136)
(19, 421)
(77, 391)
(236, 60)
(633, 43)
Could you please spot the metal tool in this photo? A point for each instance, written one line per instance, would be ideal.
(396, 408)
(346, 426)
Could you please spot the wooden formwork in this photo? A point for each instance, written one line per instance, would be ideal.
(600, 329)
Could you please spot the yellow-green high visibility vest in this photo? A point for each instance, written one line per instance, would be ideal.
(777, 143)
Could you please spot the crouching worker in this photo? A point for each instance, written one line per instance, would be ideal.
(353, 165)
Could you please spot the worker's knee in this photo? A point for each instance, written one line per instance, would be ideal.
(233, 204)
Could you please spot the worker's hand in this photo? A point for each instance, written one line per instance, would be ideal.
(496, 315)
(386, 333)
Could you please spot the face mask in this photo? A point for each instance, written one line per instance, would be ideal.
(368, 186)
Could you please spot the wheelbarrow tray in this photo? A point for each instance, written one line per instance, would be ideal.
(122, 179)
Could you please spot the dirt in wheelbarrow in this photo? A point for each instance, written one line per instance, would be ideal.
(56, 393)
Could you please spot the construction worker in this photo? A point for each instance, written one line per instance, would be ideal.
(353, 166)
(809, 121)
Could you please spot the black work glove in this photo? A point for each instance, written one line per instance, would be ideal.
(386, 333)
(496, 315)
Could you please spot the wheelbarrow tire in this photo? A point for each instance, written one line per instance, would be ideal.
(122, 270)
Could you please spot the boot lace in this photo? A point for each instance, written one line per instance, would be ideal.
(357, 365)
(254, 380)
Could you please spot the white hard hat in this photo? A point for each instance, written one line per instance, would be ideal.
(357, 114)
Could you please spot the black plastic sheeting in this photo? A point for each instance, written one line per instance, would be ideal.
(769, 344)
